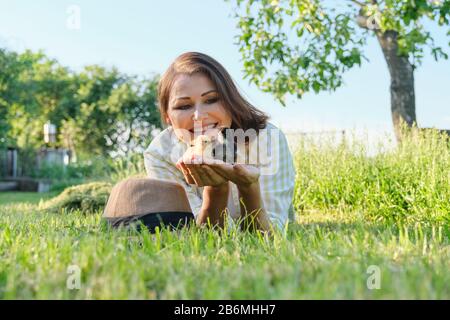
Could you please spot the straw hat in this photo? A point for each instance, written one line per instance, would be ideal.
(150, 201)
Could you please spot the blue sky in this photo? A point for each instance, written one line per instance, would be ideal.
(143, 37)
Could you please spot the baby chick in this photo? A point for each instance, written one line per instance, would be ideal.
(212, 147)
(202, 146)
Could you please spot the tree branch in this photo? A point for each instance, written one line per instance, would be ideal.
(359, 3)
(363, 4)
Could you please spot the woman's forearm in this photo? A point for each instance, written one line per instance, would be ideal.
(252, 209)
(215, 200)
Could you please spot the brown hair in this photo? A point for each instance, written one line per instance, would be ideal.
(243, 114)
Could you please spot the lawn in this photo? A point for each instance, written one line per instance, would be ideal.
(374, 228)
(24, 197)
(324, 255)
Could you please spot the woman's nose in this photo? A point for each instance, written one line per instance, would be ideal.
(199, 114)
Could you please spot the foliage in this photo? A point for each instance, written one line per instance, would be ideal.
(96, 110)
(86, 198)
(409, 183)
(95, 167)
(39, 93)
(82, 171)
(297, 46)
(117, 113)
(392, 215)
(8, 82)
(78, 192)
(126, 167)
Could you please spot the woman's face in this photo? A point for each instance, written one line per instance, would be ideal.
(194, 104)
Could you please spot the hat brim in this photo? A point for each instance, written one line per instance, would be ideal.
(171, 220)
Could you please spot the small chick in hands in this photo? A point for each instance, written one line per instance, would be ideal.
(203, 146)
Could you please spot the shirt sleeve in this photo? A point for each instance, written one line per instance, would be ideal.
(158, 168)
(277, 185)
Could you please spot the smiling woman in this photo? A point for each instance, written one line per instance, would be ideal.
(197, 97)
(203, 109)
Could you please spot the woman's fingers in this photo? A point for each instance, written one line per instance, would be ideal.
(213, 178)
(207, 178)
(237, 173)
(186, 173)
(224, 169)
(201, 174)
(208, 173)
(190, 171)
(193, 171)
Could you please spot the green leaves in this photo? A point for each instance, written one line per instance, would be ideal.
(407, 19)
(295, 46)
(96, 110)
(438, 53)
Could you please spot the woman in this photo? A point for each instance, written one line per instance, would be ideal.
(197, 96)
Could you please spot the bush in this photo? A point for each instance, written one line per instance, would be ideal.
(95, 167)
(88, 198)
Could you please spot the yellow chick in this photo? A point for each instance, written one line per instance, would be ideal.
(202, 146)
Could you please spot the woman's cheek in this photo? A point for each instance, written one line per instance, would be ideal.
(180, 120)
(226, 118)
(187, 120)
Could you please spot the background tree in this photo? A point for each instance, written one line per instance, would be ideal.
(116, 113)
(97, 110)
(295, 46)
(5, 84)
(137, 116)
(94, 117)
(33, 90)
(42, 93)
(10, 68)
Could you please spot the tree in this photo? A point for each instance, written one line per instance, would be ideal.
(42, 94)
(9, 83)
(5, 82)
(328, 39)
(98, 110)
(138, 115)
(116, 113)
(94, 117)
(33, 89)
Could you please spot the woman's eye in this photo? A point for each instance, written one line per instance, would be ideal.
(185, 107)
(212, 100)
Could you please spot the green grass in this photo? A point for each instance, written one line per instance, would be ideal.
(353, 212)
(24, 197)
(325, 255)
(410, 183)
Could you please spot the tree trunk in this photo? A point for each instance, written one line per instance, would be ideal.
(403, 104)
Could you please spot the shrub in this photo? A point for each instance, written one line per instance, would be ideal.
(95, 167)
(87, 198)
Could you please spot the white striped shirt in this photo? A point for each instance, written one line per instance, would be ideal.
(277, 187)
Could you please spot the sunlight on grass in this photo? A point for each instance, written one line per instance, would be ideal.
(28, 197)
(323, 256)
(390, 211)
